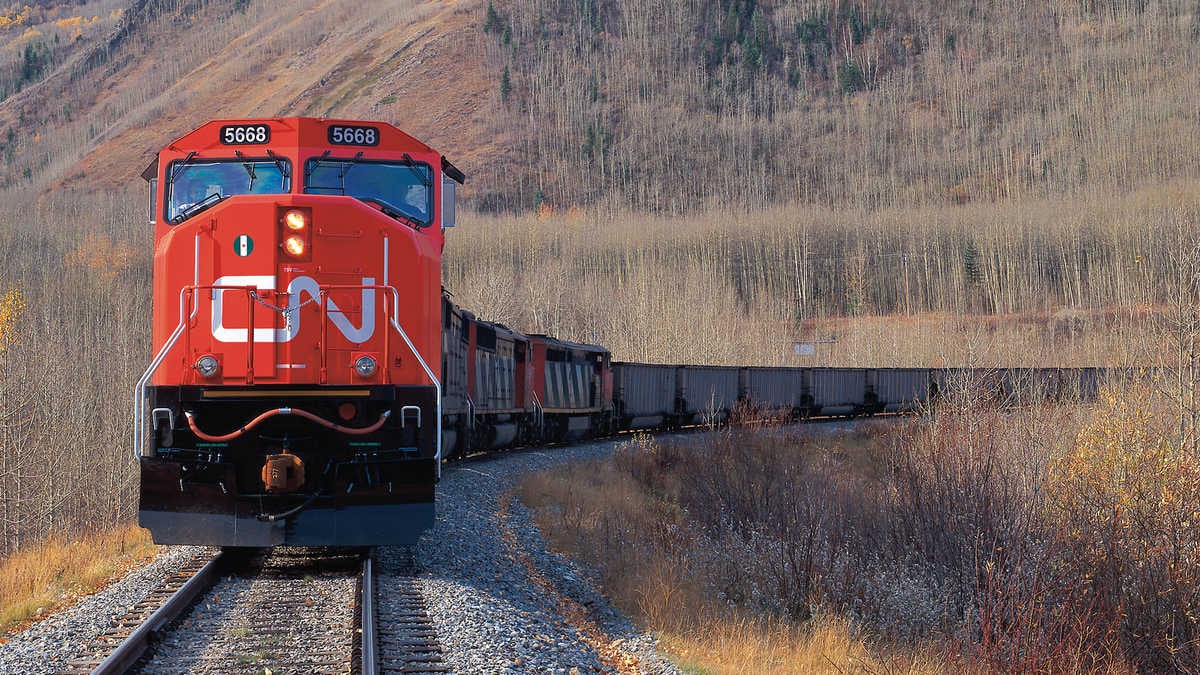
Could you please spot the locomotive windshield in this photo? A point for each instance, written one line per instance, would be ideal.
(400, 189)
(195, 186)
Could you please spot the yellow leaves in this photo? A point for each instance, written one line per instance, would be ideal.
(36, 20)
(76, 25)
(1122, 479)
(101, 257)
(16, 17)
(70, 22)
(12, 305)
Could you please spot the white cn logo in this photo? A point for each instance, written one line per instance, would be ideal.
(297, 290)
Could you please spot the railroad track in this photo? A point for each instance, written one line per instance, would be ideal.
(408, 643)
(121, 646)
(278, 610)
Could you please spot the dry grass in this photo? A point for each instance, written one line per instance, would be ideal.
(825, 645)
(54, 573)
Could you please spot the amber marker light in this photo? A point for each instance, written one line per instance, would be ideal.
(295, 220)
(294, 246)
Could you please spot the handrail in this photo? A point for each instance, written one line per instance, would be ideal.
(437, 385)
(139, 392)
(139, 403)
(538, 414)
(139, 395)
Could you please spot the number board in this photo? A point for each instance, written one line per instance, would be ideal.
(245, 134)
(344, 135)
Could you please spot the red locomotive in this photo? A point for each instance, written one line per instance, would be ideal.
(295, 393)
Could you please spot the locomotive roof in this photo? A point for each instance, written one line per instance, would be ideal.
(298, 132)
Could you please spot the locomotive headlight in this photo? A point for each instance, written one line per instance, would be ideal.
(207, 365)
(295, 220)
(294, 245)
(365, 365)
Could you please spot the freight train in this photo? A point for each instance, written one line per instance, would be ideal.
(310, 374)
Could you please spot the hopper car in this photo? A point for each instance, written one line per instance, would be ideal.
(310, 374)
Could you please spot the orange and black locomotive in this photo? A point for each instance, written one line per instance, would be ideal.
(294, 396)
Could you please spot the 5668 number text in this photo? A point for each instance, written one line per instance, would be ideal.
(343, 135)
(245, 134)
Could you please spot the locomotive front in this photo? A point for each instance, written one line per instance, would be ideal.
(294, 395)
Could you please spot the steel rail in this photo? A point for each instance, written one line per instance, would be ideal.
(370, 651)
(134, 647)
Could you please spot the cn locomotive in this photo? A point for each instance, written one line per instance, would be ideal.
(294, 396)
(310, 374)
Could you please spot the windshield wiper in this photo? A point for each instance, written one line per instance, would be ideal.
(344, 164)
(394, 211)
(180, 166)
(412, 166)
(350, 164)
(193, 209)
(315, 164)
(249, 167)
(283, 170)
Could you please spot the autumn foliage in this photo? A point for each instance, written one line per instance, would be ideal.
(1128, 501)
(11, 306)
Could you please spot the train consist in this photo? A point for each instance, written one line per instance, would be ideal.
(310, 374)
(504, 388)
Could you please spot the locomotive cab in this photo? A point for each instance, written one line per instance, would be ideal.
(294, 396)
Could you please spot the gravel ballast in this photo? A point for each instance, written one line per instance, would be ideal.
(498, 600)
(47, 645)
(501, 602)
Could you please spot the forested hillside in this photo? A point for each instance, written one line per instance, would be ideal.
(670, 105)
(677, 105)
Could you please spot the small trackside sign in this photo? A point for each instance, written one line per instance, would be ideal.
(243, 245)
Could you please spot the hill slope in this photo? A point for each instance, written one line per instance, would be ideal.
(667, 106)
(165, 67)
